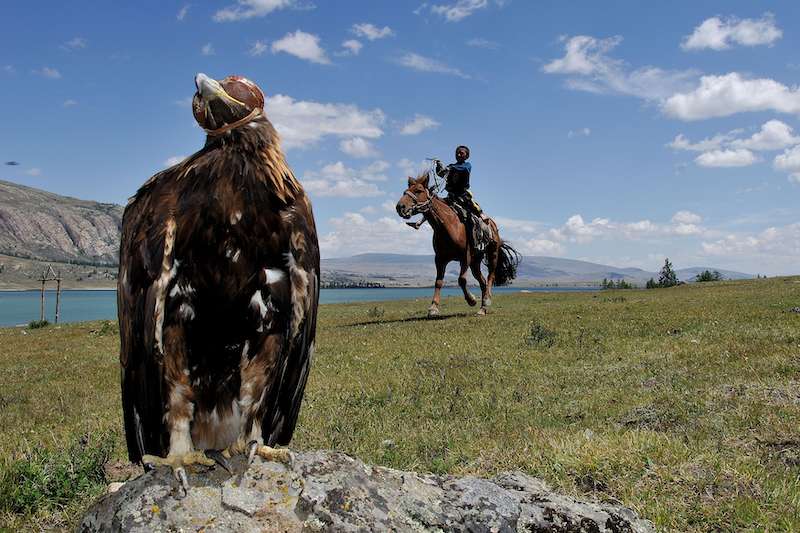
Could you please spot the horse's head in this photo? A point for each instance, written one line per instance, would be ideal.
(416, 198)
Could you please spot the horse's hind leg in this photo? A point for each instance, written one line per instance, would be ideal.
(433, 310)
(462, 282)
(486, 299)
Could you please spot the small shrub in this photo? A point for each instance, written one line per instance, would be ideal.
(36, 324)
(51, 479)
(540, 335)
(107, 327)
(376, 312)
(707, 275)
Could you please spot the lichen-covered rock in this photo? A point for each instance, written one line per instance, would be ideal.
(329, 491)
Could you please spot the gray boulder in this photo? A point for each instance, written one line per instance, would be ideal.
(330, 491)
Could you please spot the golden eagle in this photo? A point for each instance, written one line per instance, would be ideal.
(217, 293)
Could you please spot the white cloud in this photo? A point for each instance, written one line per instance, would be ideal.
(721, 96)
(182, 12)
(585, 132)
(371, 32)
(740, 157)
(338, 180)
(459, 10)
(773, 135)
(48, 72)
(257, 48)
(418, 124)
(302, 123)
(76, 43)
(69, 103)
(539, 247)
(769, 244)
(427, 64)
(789, 161)
(174, 160)
(411, 168)
(34, 171)
(358, 147)
(719, 34)
(303, 45)
(517, 225)
(713, 143)
(351, 47)
(686, 217)
(246, 9)
(586, 59)
(353, 233)
(577, 230)
(207, 49)
(480, 42)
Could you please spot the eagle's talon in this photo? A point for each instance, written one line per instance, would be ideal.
(178, 464)
(220, 458)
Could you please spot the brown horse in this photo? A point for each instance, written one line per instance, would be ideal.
(450, 243)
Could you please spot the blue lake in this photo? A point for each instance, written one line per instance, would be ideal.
(21, 307)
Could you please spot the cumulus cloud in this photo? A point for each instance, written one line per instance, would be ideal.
(303, 45)
(418, 124)
(773, 135)
(722, 96)
(351, 47)
(773, 242)
(303, 123)
(516, 225)
(539, 247)
(740, 157)
(207, 49)
(577, 230)
(680, 142)
(459, 10)
(358, 147)
(591, 69)
(371, 32)
(717, 33)
(789, 161)
(339, 180)
(413, 168)
(247, 9)
(182, 12)
(48, 72)
(353, 233)
(427, 64)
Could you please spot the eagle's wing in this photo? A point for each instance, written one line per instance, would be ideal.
(141, 253)
(303, 261)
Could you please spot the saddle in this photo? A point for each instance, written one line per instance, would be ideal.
(481, 232)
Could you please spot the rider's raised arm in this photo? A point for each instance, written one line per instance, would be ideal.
(441, 169)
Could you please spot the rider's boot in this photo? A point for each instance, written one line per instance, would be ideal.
(416, 225)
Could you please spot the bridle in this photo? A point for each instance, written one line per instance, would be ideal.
(418, 207)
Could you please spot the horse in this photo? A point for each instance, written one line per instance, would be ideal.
(451, 243)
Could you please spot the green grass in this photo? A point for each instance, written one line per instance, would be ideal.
(681, 403)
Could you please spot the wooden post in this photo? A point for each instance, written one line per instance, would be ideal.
(58, 296)
(41, 307)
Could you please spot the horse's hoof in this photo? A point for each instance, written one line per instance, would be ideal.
(472, 301)
(482, 311)
(433, 311)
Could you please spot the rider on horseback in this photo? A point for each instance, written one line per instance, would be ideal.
(457, 186)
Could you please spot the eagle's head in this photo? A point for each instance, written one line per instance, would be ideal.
(219, 106)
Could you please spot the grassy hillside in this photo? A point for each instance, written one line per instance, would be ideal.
(682, 403)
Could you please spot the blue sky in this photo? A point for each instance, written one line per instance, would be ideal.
(619, 132)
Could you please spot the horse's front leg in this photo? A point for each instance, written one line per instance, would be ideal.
(462, 282)
(486, 295)
(433, 310)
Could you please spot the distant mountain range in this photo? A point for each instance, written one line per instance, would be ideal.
(44, 227)
(398, 269)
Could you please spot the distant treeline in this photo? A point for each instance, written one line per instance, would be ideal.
(362, 284)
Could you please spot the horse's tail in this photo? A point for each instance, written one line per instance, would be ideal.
(507, 261)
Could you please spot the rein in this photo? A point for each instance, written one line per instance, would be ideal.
(255, 113)
(419, 207)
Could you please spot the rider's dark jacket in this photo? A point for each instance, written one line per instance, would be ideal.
(457, 177)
